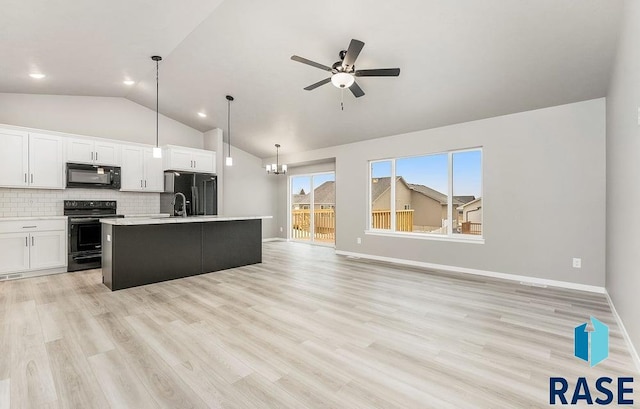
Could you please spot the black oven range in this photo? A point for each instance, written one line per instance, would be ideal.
(85, 231)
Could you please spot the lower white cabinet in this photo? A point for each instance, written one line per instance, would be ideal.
(27, 245)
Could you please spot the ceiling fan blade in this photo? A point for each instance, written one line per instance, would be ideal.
(356, 90)
(379, 72)
(317, 84)
(355, 46)
(311, 63)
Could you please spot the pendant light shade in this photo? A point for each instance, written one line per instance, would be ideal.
(277, 168)
(229, 160)
(157, 151)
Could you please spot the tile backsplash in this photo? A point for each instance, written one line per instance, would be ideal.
(43, 202)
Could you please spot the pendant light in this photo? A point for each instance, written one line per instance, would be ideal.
(229, 160)
(276, 168)
(157, 152)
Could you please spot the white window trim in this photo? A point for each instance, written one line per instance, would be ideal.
(450, 236)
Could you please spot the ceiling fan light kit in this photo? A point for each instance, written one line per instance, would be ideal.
(343, 72)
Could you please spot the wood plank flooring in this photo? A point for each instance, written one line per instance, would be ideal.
(304, 329)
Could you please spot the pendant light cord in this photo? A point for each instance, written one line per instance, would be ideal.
(229, 125)
(157, 103)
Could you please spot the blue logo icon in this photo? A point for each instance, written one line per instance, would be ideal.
(599, 337)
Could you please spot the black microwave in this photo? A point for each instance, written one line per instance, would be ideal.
(93, 176)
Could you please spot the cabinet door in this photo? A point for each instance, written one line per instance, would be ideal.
(107, 153)
(46, 162)
(80, 150)
(48, 249)
(14, 158)
(179, 160)
(204, 162)
(14, 252)
(132, 170)
(153, 172)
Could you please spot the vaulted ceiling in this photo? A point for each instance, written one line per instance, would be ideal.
(461, 60)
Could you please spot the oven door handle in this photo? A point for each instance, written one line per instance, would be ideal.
(83, 220)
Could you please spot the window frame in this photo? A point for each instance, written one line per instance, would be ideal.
(450, 236)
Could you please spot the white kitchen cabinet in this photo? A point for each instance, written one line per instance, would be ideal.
(189, 159)
(141, 172)
(14, 252)
(46, 162)
(31, 160)
(14, 158)
(48, 249)
(92, 152)
(28, 245)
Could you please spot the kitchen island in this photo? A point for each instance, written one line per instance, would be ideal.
(141, 251)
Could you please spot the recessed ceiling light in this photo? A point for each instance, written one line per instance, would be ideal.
(128, 82)
(37, 76)
(202, 115)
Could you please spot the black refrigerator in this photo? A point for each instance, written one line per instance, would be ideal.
(199, 189)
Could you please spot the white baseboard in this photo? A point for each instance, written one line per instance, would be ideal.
(513, 277)
(625, 334)
(268, 239)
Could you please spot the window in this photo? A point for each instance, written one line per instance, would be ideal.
(432, 195)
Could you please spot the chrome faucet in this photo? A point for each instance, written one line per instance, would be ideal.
(182, 212)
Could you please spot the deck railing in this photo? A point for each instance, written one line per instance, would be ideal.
(471, 228)
(381, 219)
(324, 221)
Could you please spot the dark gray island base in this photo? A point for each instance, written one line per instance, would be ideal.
(144, 253)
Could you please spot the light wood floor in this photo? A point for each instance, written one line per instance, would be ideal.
(305, 329)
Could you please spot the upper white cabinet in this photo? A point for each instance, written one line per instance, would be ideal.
(92, 152)
(188, 159)
(31, 160)
(141, 172)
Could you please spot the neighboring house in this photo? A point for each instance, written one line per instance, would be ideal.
(429, 205)
(471, 211)
(324, 197)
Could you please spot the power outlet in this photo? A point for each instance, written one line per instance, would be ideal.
(577, 263)
(359, 240)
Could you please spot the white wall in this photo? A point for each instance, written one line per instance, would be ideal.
(105, 117)
(623, 168)
(249, 191)
(543, 198)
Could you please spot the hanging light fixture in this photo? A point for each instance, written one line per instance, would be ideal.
(277, 168)
(229, 160)
(157, 152)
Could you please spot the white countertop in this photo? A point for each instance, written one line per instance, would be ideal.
(162, 219)
(10, 219)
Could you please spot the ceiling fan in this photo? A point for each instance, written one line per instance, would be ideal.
(343, 72)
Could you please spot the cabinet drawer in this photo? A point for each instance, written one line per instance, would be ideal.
(19, 226)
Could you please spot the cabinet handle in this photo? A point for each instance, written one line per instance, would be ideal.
(195, 164)
(91, 155)
(145, 183)
(96, 155)
(33, 243)
(26, 241)
(25, 178)
(32, 178)
(29, 227)
(191, 163)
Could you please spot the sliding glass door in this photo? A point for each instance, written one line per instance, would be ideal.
(313, 204)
